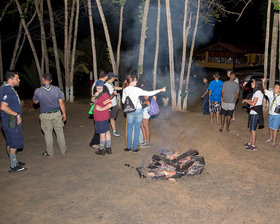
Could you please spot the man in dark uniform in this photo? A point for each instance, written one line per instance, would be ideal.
(11, 114)
(52, 113)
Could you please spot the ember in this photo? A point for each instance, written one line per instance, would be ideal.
(173, 165)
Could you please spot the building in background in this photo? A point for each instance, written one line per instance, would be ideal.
(229, 56)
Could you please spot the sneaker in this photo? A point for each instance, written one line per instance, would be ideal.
(109, 150)
(21, 163)
(146, 145)
(136, 150)
(247, 144)
(17, 168)
(115, 133)
(100, 152)
(94, 146)
(45, 154)
(127, 150)
(251, 148)
(269, 141)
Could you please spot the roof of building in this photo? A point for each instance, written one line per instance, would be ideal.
(234, 48)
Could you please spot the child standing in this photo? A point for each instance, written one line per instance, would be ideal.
(101, 116)
(256, 113)
(274, 116)
(205, 96)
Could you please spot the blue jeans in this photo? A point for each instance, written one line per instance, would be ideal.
(134, 120)
(205, 105)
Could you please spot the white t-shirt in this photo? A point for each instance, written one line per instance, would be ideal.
(111, 91)
(271, 95)
(134, 93)
(259, 95)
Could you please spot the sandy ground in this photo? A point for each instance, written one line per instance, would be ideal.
(80, 187)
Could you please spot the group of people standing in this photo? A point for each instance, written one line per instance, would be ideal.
(105, 111)
(222, 97)
(52, 116)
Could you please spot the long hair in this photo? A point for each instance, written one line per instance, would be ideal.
(105, 90)
(258, 86)
(129, 79)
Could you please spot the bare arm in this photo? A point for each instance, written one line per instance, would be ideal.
(5, 107)
(35, 102)
(236, 96)
(251, 102)
(62, 108)
(204, 94)
(210, 91)
(107, 107)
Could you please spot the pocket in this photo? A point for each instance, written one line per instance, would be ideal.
(12, 122)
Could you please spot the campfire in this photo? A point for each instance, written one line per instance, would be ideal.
(169, 165)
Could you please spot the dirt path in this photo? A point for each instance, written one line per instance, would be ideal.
(81, 187)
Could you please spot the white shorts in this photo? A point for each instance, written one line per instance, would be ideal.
(146, 115)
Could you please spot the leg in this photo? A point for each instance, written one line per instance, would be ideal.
(274, 135)
(217, 117)
(137, 125)
(222, 122)
(113, 124)
(211, 117)
(270, 134)
(13, 157)
(47, 128)
(108, 142)
(228, 123)
(58, 128)
(143, 132)
(102, 141)
(130, 123)
(147, 135)
(253, 137)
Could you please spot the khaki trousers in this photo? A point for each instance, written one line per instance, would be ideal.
(50, 122)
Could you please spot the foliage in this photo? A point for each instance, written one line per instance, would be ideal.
(276, 4)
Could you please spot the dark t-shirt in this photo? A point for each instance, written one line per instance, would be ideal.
(9, 96)
(48, 98)
(230, 89)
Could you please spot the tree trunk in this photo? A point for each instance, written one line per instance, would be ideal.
(183, 64)
(107, 35)
(55, 50)
(185, 104)
(157, 48)
(93, 49)
(171, 55)
(29, 39)
(74, 51)
(66, 53)
(119, 38)
(267, 39)
(5, 9)
(274, 43)
(1, 62)
(142, 38)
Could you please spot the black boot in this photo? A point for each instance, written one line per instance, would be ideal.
(109, 150)
(100, 152)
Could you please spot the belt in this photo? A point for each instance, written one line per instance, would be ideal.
(50, 112)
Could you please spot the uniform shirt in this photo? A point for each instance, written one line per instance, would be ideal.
(274, 100)
(216, 90)
(259, 95)
(134, 93)
(48, 98)
(111, 90)
(9, 96)
(102, 101)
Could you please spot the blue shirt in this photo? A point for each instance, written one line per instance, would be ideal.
(48, 98)
(9, 96)
(216, 87)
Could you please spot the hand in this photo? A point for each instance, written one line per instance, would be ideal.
(96, 94)
(63, 117)
(264, 80)
(115, 92)
(92, 99)
(244, 101)
(18, 119)
(163, 89)
(98, 108)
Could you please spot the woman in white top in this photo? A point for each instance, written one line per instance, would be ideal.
(255, 115)
(134, 118)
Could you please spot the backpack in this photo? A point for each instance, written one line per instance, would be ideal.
(154, 109)
(128, 105)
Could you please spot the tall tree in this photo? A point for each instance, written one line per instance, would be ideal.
(92, 39)
(55, 49)
(184, 53)
(107, 35)
(22, 18)
(171, 55)
(267, 39)
(157, 47)
(1, 61)
(143, 37)
(191, 57)
(273, 53)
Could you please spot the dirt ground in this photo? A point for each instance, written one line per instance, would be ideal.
(80, 187)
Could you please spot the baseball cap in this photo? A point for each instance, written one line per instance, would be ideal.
(99, 83)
